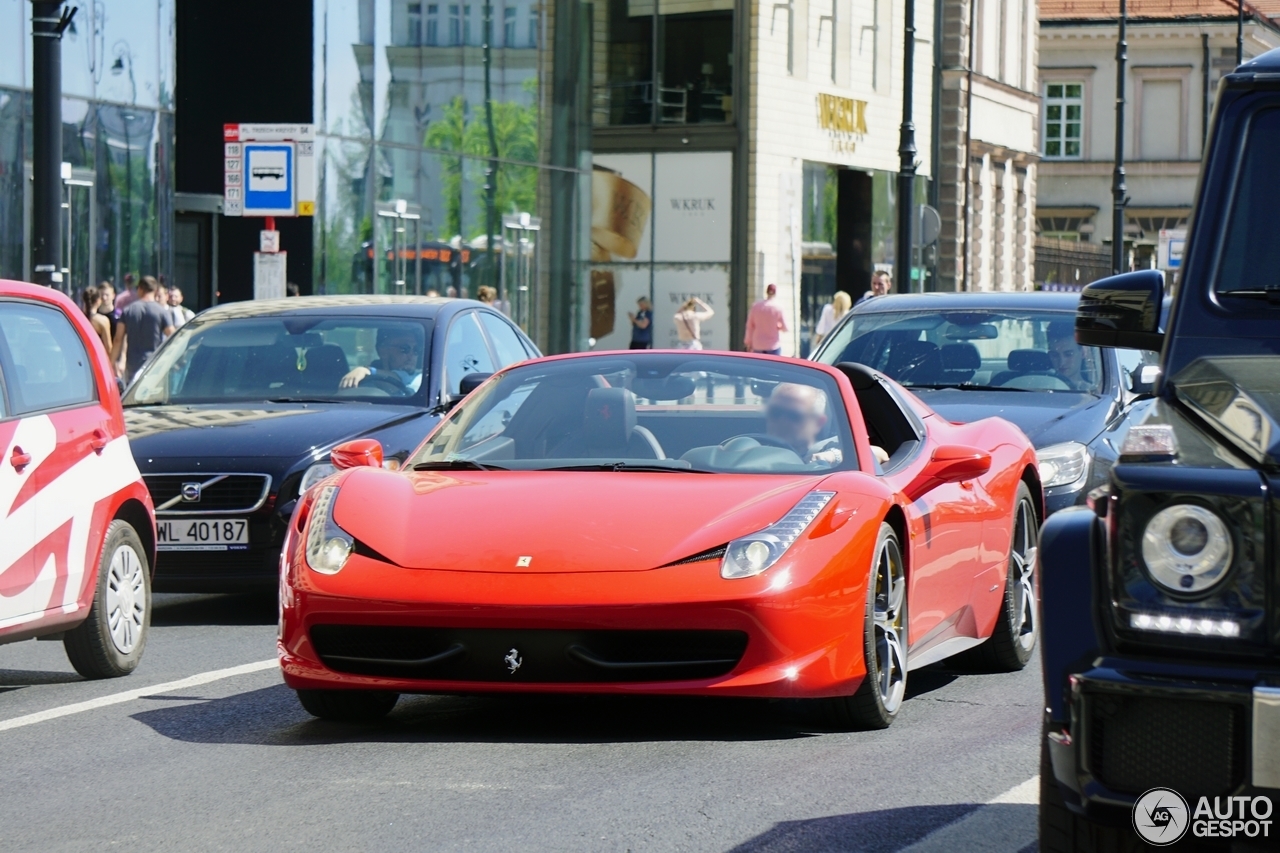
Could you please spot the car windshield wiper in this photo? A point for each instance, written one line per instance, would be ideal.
(629, 466)
(970, 387)
(457, 465)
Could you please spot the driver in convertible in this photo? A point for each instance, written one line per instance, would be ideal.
(399, 360)
(795, 415)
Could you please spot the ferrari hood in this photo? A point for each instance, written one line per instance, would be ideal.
(556, 521)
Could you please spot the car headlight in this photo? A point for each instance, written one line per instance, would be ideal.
(328, 545)
(750, 555)
(315, 474)
(1186, 548)
(1063, 464)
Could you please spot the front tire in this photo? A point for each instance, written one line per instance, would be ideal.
(1013, 641)
(884, 646)
(348, 706)
(109, 643)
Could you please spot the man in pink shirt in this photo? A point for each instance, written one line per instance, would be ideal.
(765, 325)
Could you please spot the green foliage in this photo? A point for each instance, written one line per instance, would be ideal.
(465, 130)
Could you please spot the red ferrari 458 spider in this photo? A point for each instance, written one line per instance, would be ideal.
(666, 522)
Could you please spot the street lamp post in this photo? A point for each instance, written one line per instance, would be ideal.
(907, 156)
(1239, 32)
(124, 62)
(1118, 188)
(48, 21)
(491, 169)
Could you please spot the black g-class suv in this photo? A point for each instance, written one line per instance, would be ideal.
(1161, 600)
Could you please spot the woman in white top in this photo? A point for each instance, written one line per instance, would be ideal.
(831, 314)
(689, 322)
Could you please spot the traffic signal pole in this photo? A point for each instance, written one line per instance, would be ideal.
(48, 21)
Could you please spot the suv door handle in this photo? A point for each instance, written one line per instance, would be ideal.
(99, 440)
(19, 459)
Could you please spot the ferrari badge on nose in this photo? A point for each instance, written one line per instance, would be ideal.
(513, 661)
(522, 562)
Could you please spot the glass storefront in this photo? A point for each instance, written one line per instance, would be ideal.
(418, 168)
(117, 120)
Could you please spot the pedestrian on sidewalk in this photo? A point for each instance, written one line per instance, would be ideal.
(831, 314)
(179, 313)
(765, 324)
(144, 324)
(689, 319)
(91, 302)
(881, 284)
(641, 324)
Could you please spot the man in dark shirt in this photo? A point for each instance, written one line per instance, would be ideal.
(642, 324)
(144, 324)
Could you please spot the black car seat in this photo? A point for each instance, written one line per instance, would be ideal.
(915, 363)
(1022, 362)
(325, 367)
(609, 430)
(959, 362)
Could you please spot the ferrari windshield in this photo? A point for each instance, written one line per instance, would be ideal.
(656, 411)
(1006, 350)
(296, 357)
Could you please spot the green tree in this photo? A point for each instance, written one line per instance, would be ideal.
(515, 128)
(450, 133)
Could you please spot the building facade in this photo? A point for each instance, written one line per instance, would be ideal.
(117, 141)
(988, 151)
(575, 155)
(1176, 56)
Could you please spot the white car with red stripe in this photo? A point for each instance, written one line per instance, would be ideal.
(77, 529)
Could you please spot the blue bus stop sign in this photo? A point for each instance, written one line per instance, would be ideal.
(269, 179)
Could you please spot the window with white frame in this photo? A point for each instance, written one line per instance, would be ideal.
(1063, 120)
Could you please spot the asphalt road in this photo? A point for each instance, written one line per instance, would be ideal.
(230, 761)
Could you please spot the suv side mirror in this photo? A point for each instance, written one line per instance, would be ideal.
(950, 463)
(1122, 311)
(357, 453)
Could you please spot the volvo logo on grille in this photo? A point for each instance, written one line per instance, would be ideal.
(513, 661)
(191, 492)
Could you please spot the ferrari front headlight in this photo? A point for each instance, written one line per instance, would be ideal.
(1187, 548)
(750, 555)
(1062, 464)
(328, 545)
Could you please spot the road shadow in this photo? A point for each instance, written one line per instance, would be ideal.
(177, 609)
(16, 679)
(882, 831)
(272, 716)
(891, 830)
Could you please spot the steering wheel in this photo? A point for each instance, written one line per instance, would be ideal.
(390, 384)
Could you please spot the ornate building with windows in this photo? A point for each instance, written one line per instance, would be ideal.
(988, 152)
(1177, 53)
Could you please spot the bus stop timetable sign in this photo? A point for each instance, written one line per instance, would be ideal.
(268, 170)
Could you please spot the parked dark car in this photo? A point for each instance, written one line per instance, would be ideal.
(1161, 602)
(1010, 355)
(236, 414)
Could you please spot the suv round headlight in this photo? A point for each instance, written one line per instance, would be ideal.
(1187, 548)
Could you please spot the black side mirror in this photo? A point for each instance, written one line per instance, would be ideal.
(1122, 311)
(471, 382)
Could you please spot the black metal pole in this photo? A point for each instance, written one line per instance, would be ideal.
(907, 155)
(1118, 188)
(47, 23)
(491, 170)
(1239, 32)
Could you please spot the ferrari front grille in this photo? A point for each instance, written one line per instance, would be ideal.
(527, 655)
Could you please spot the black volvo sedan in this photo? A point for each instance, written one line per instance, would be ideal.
(1010, 355)
(236, 414)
